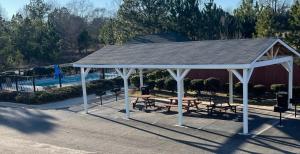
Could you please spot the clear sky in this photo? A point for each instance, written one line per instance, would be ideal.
(12, 6)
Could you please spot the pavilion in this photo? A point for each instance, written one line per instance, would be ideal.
(240, 57)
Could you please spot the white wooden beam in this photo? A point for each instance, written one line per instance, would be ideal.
(87, 72)
(290, 89)
(204, 66)
(83, 83)
(179, 96)
(245, 101)
(141, 78)
(230, 87)
(272, 62)
(172, 74)
(238, 75)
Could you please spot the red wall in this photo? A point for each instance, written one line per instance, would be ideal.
(264, 75)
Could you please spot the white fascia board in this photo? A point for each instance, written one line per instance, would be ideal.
(209, 66)
(265, 51)
(282, 43)
(290, 48)
(272, 62)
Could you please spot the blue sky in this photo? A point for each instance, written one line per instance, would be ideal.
(12, 6)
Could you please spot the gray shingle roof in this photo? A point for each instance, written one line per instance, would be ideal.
(159, 38)
(243, 51)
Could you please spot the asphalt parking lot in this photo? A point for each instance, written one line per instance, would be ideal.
(104, 130)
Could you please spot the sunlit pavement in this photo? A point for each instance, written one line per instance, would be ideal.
(104, 130)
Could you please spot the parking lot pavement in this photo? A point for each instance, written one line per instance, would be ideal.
(104, 130)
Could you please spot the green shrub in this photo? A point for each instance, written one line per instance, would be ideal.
(151, 76)
(225, 87)
(212, 84)
(160, 84)
(296, 92)
(197, 85)
(118, 82)
(150, 84)
(187, 84)
(135, 80)
(7, 96)
(238, 88)
(170, 84)
(278, 87)
(159, 74)
(259, 90)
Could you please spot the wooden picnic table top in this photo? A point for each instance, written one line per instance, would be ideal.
(184, 98)
(142, 96)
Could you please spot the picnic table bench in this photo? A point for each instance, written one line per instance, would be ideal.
(146, 99)
(187, 103)
(218, 103)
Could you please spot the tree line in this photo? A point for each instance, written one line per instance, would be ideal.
(43, 32)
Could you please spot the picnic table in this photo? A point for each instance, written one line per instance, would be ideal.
(146, 99)
(216, 103)
(187, 103)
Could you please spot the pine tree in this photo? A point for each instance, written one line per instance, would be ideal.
(294, 36)
(264, 24)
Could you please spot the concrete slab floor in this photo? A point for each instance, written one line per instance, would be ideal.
(104, 130)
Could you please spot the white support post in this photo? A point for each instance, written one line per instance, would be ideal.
(179, 96)
(230, 87)
(245, 100)
(141, 78)
(125, 75)
(84, 90)
(126, 94)
(290, 64)
(179, 77)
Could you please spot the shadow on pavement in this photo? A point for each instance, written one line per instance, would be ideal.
(26, 121)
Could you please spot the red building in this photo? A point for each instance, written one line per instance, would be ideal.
(275, 74)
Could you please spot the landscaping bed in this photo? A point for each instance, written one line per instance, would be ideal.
(59, 94)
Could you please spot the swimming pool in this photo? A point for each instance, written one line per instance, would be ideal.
(72, 79)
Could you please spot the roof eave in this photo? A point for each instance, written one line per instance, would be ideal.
(206, 66)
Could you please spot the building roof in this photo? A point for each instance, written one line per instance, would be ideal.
(159, 38)
(242, 51)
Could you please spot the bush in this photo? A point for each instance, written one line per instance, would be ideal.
(296, 92)
(238, 88)
(58, 94)
(150, 84)
(7, 96)
(225, 87)
(259, 90)
(187, 84)
(197, 85)
(118, 82)
(161, 74)
(278, 87)
(212, 84)
(135, 80)
(151, 76)
(160, 84)
(170, 84)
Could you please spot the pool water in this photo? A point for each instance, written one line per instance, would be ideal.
(72, 79)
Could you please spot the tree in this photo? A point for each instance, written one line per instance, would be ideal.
(264, 26)
(246, 16)
(67, 26)
(33, 36)
(83, 41)
(294, 36)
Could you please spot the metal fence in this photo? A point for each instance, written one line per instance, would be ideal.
(17, 83)
(23, 83)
